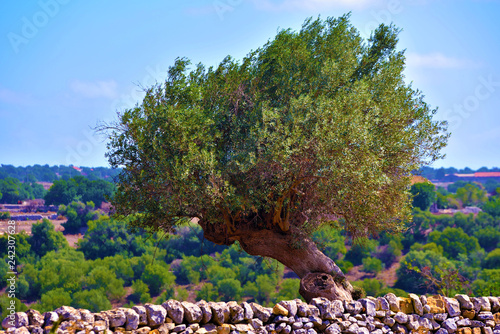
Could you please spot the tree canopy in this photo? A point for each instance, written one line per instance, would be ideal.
(316, 126)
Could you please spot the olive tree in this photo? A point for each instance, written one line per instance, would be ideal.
(316, 127)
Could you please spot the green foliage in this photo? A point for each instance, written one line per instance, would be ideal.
(492, 207)
(208, 292)
(492, 260)
(315, 121)
(53, 299)
(360, 250)
(13, 191)
(81, 189)
(454, 242)
(104, 278)
(141, 292)
(372, 265)
(371, 286)
(48, 173)
(431, 246)
(345, 266)
(181, 294)
(78, 215)
(330, 242)
(424, 194)
(108, 237)
(471, 194)
(488, 238)
(289, 290)
(157, 276)
(92, 300)
(413, 281)
(488, 283)
(229, 289)
(44, 238)
(266, 287)
(63, 269)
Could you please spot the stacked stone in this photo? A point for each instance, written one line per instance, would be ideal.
(382, 315)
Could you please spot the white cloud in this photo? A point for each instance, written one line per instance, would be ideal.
(438, 60)
(315, 5)
(106, 89)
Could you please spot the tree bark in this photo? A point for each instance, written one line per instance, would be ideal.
(293, 249)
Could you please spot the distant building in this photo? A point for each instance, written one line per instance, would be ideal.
(481, 177)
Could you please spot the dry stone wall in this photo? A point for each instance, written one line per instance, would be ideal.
(382, 315)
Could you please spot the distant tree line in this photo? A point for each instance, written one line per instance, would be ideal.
(439, 173)
(48, 173)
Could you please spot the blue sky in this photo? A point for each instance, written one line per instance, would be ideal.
(66, 65)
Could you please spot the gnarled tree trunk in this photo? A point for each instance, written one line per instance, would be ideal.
(319, 274)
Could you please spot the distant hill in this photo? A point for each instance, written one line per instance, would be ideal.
(46, 173)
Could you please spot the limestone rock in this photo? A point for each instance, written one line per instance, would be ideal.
(313, 310)
(469, 314)
(143, 316)
(143, 330)
(369, 306)
(16, 320)
(220, 313)
(440, 317)
(436, 303)
(325, 308)
(481, 304)
(132, 319)
(449, 325)
(223, 329)
(333, 329)
(393, 302)
(20, 330)
(384, 305)
(68, 313)
(353, 307)
(35, 318)
(206, 311)
(413, 322)
(406, 305)
(156, 314)
(399, 329)
(401, 318)
(236, 312)
(417, 304)
(50, 318)
(483, 316)
(87, 316)
(290, 305)
(100, 326)
(452, 306)
(192, 312)
(175, 310)
(337, 308)
(117, 318)
(303, 309)
(35, 329)
(280, 310)
(261, 312)
(248, 310)
(464, 301)
(495, 304)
